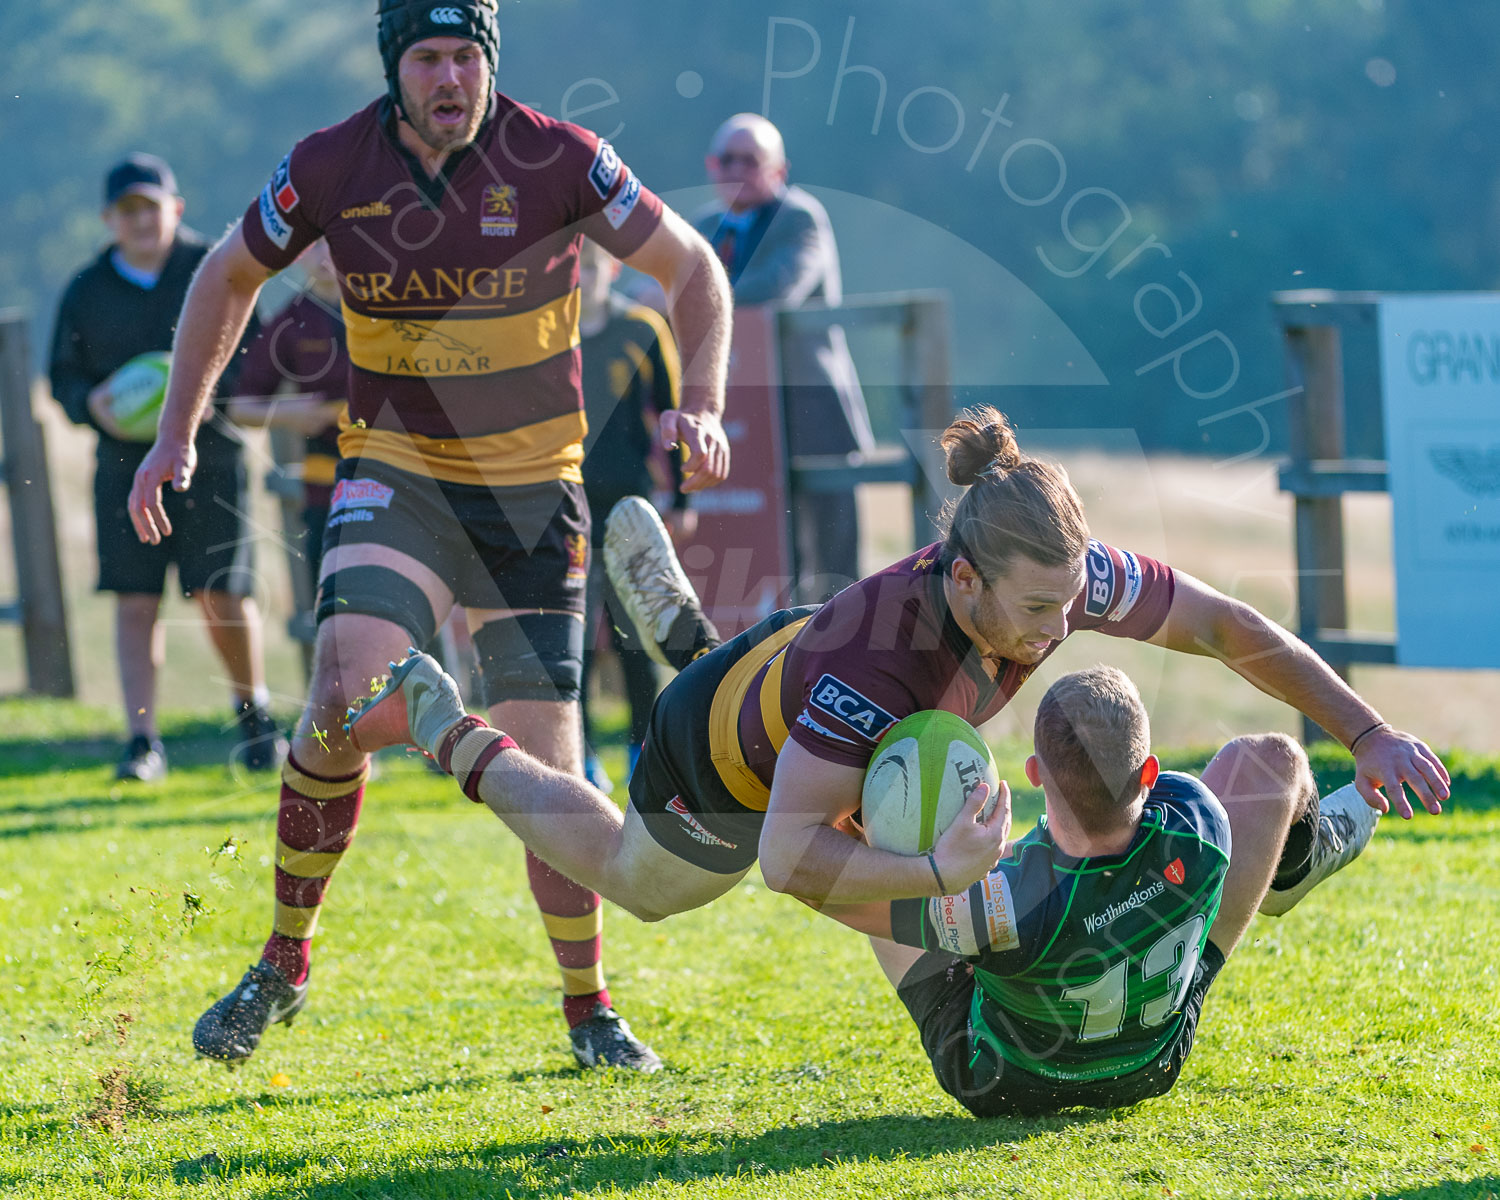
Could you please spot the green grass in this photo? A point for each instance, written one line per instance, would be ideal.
(1348, 1050)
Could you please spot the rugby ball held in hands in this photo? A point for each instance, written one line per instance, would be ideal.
(923, 769)
(136, 392)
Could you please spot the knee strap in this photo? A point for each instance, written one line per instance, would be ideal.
(378, 592)
(531, 656)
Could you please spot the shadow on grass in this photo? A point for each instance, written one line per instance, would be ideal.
(215, 818)
(1486, 1187)
(195, 742)
(545, 1169)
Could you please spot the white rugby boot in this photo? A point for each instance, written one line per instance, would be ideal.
(1345, 825)
(650, 582)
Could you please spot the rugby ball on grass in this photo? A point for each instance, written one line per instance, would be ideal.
(136, 392)
(915, 785)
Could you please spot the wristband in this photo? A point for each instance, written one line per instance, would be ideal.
(1367, 733)
(932, 862)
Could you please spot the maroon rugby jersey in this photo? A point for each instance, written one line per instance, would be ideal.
(460, 294)
(887, 647)
(301, 349)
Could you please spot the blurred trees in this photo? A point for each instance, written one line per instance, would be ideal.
(1269, 144)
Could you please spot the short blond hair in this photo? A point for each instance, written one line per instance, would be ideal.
(1092, 737)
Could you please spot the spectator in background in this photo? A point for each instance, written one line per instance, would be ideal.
(631, 376)
(777, 245)
(296, 377)
(123, 304)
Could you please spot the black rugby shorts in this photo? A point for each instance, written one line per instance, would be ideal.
(938, 992)
(523, 547)
(211, 540)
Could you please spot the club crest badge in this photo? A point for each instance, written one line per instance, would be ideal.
(578, 558)
(499, 211)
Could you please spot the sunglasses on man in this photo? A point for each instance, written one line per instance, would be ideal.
(730, 157)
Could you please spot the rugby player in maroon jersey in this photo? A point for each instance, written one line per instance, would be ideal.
(454, 216)
(759, 746)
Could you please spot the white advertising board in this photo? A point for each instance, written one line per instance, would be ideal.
(1440, 379)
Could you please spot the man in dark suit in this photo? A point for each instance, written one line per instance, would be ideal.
(777, 245)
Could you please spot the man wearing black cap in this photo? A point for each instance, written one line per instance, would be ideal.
(454, 216)
(123, 304)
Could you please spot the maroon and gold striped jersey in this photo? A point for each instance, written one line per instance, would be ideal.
(884, 648)
(460, 292)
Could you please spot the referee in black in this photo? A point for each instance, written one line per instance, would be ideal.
(123, 304)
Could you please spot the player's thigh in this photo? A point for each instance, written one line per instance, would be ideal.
(371, 580)
(674, 854)
(528, 658)
(895, 960)
(392, 548)
(1264, 773)
(661, 882)
(531, 548)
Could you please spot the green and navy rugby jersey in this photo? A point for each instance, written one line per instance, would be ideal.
(1083, 964)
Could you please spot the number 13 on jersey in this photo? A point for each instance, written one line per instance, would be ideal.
(1107, 1001)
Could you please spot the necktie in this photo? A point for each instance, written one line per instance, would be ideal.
(726, 247)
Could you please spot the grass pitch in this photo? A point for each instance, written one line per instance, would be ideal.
(1348, 1050)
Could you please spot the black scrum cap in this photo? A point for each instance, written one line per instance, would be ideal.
(403, 23)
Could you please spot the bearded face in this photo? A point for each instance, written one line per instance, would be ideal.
(445, 91)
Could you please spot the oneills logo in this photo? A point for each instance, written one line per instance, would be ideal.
(378, 208)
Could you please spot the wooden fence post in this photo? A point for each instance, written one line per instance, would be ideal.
(1316, 433)
(40, 609)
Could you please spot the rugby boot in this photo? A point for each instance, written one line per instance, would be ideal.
(144, 760)
(1345, 825)
(594, 772)
(651, 585)
(262, 746)
(605, 1040)
(231, 1029)
(416, 705)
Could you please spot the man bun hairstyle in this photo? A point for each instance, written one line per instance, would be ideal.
(1014, 505)
(403, 23)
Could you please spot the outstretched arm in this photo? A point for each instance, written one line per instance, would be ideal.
(1204, 621)
(214, 315)
(699, 305)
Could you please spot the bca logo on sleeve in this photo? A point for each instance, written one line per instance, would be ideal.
(618, 212)
(1114, 582)
(845, 705)
(605, 171)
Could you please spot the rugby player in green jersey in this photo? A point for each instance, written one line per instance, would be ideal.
(1073, 974)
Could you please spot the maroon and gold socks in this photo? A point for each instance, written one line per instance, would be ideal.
(314, 828)
(571, 913)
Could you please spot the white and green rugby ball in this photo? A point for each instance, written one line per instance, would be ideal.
(136, 393)
(916, 784)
